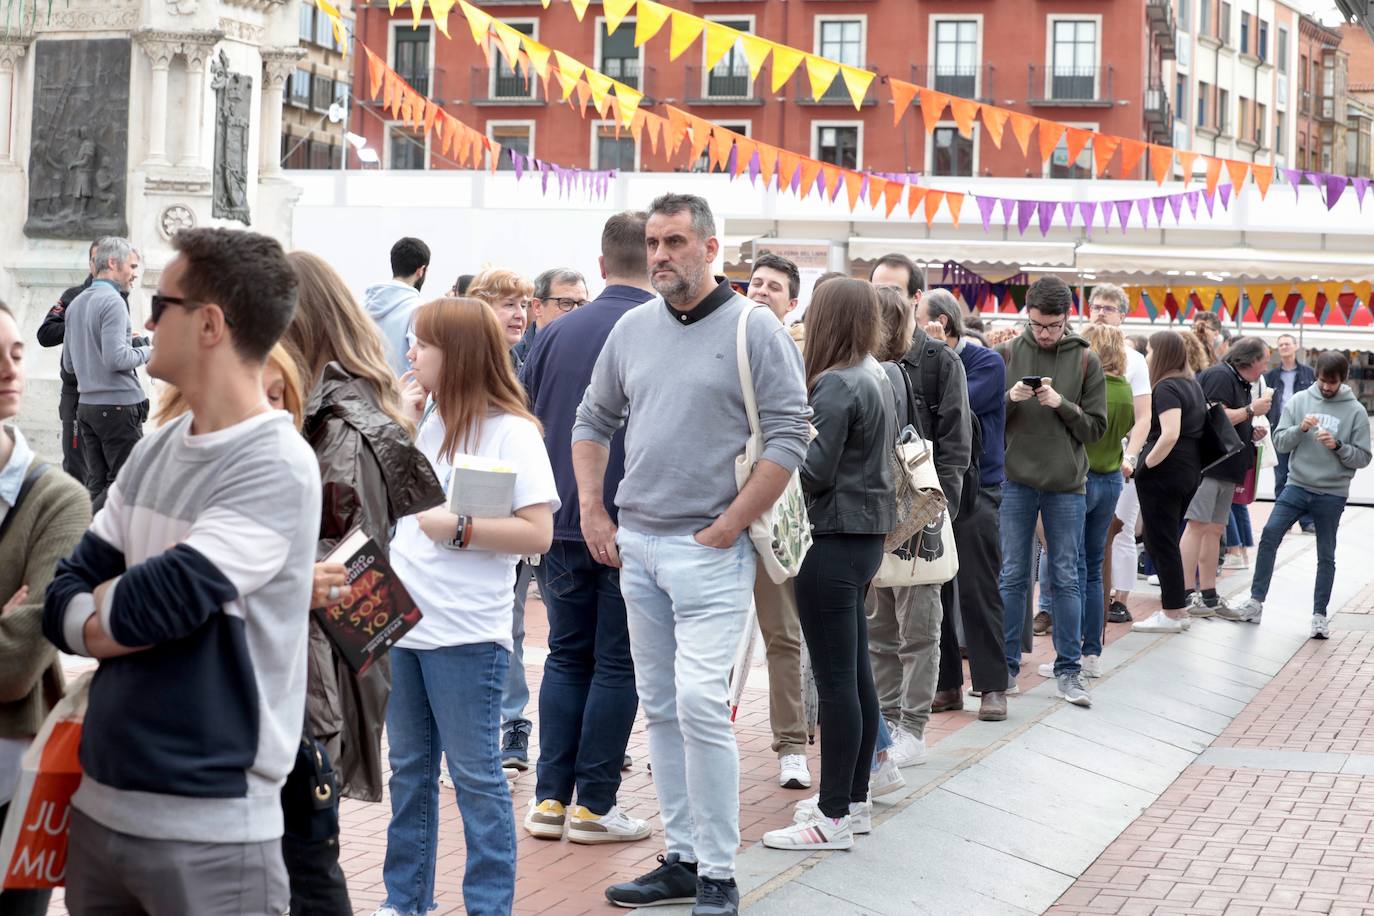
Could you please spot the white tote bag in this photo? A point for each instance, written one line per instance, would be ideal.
(930, 558)
(782, 534)
(1268, 455)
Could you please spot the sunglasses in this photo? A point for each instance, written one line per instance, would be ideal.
(158, 304)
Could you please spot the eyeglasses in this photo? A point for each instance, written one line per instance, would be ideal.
(1100, 307)
(1046, 328)
(565, 304)
(158, 303)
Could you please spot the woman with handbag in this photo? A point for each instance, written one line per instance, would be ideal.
(851, 499)
(43, 513)
(1169, 473)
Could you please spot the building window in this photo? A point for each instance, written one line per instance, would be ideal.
(1278, 133)
(307, 22)
(506, 82)
(729, 79)
(1246, 128)
(704, 163)
(341, 93)
(294, 154)
(1203, 90)
(411, 60)
(514, 138)
(407, 149)
(1281, 50)
(956, 57)
(1204, 18)
(841, 40)
(321, 93)
(1223, 111)
(1244, 33)
(619, 56)
(1184, 14)
(1261, 116)
(324, 31)
(1074, 61)
(952, 153)
(838, 145)
(1061, 167)
(300, 88)
(612, 149)
(1224, 22)
(323, 155)
(1181, 98)
(1262, 41)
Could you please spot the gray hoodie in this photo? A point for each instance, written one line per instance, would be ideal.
(392, 305)
(1312, 465)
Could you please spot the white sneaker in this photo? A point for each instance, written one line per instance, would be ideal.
(546, 819)
(1319, 627)
(615, 826)
(886, 779)
(793, 772)
(860, 814)
(907, 750)
(1235, 561)
(816, 833)
(1092, 666)
(387, 911)
(1152, 579)
(1248, 611)
(1046, 670)
(445, 779)
(1158, 622)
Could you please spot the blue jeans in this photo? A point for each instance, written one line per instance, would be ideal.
(1099, 508)
(1240, 518)
(1293, 503)
(1062, 515)
(450, 700)
(587, 700)
(884, 741)
(686, 605)
(1281, 481)
(516, 694)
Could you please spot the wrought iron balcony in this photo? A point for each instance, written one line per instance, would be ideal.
(1069, 86)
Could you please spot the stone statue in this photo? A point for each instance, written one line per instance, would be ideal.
(78, 153)
(233, 99)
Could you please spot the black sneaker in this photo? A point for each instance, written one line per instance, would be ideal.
(1117, 613)
(716, 897)
(515, 750)
(674, 881)
(627, 763)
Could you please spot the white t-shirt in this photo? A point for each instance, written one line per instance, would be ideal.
(468, 596)
(1137, 372)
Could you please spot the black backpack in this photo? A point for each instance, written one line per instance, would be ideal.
(928, 365)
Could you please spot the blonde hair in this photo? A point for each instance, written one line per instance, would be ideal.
(496, 283)
(1109, 345)
(330, 326)
(1199, 357)
(172, 403)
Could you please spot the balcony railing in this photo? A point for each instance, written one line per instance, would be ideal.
(1163, 26)
(724, 84)
(970, 82)
(1159, 114)
(1071, 86)
(627, 70)
(503, 88)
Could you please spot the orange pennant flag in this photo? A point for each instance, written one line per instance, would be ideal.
(1021, 127)
(720, 148)
(446, 133)
(964, 112)
(1213, 174)
(902, 94)
(994, 122)
(431, 115)
(1077, 140)
(653, 126)
(830, 179)
(701, 136)
(914, 197)
(1161, 162)
(1186, 159)
(493, 155)
(637, 129)
(677, 124)
(810, 170)
(1264, 176)
(686, 29)
(1104, 148)
(744, 154)
(375, 69)
(932, 107)
(892, 195)
(854, 184)
(1236, 170)
(787, 168)
(584, 94)
(933, 200)
(388, 90)
(955, 203)
(768, 161)
(875, 189)
(1050, 134)
(785, 63)
(1131, 151)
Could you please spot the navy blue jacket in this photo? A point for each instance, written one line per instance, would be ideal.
(556, 374)
(1273, 380)
(986, 375)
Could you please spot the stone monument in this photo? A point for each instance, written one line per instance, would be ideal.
(232, 117)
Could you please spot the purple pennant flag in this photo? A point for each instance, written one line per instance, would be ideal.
(1045, 209)
(795, 183)
(543, 177)
(1209, 200)
(1024, 210)
(1123, 213)
(985, 205)
(1335, 187)
(835, 191)
(1067, 209)
(1224, 192)
(1318, 179)
(1007, 207)
(821, 189)
(1159, 204)
(517, 162)
(1107, 211)
(1294, 178)
(1176, 204)
(863, 188)
(1361, 185)
(754, 168)
(731, 161)
(1086, 212)
(1142, 207)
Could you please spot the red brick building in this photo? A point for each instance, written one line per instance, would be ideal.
(1090, 64)
(1322, 66)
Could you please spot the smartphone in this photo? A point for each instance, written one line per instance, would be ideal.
(1032, 382)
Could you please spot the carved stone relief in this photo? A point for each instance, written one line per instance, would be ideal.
(233, 100)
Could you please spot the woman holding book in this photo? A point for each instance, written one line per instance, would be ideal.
(448, 672)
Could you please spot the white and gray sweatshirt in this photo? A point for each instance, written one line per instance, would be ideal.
(99, 347)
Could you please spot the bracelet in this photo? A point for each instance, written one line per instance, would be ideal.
(468, 528)
(459, 533)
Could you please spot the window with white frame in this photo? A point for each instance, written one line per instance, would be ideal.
(300, 88)
(406, 148)
(514, 137)
(951, 153)
(506, 81)
(613, 148)
(841, 40)
(619, 56)
(729, 78)
(307, 22)
(956, 57)
(1281, 50)
(704, 163)
(321, 93)
(837, 144)
(1073, 59)
(1059, 165)
(410, 56)
(324, 31)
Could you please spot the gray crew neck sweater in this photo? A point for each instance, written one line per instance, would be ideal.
(99, 347)
(679, 385)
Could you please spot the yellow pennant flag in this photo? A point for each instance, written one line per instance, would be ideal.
(686, 29)
(417, 11)
(510, 41)
(629, 103)
(538, 54)
(478, 21)
(857, 82)
(755, 51)
(600, 86)
(615, 13)
(569, 84)
(580, 7)
(785, 63)
(822, 73)
(336, 23)
(719, 40)
(391, 6)
(649, 20)
(568, 65)
(441, 9)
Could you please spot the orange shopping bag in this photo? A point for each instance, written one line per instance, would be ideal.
(33, 846)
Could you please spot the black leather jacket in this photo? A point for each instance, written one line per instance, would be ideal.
(371, 474)
(847, 476)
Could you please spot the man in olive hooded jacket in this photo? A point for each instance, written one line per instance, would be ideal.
(1056, 405)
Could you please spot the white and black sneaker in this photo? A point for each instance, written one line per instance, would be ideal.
(1319, 627)
(793, 772)
(674, 881)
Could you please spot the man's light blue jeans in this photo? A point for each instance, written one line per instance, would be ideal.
(686, 607)
(1063, 518)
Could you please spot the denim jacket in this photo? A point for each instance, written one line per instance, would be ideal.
(847, 476)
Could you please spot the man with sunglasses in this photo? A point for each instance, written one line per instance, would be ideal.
(101, 351)
(556, 293)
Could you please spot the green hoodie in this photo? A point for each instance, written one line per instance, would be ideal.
(1046, 448)
(1312, 465)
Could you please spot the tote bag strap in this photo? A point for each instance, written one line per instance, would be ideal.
(746, 376)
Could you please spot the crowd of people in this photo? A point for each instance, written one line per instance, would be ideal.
(223, 725)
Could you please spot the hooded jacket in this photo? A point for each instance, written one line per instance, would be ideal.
(392, 306)
(371, 475)
(1046, 449)
(1312, 465)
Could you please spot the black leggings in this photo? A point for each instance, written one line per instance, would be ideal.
(830, 602)
(1164, 497)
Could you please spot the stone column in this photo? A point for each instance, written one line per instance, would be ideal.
(12, 48)
(277, 66)
(160, 50)
(198, 48)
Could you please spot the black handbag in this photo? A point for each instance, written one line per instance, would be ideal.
(1220, 440)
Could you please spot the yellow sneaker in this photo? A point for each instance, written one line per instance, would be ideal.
(615, 826)
(546, 819)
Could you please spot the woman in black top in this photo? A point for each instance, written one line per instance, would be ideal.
(852, 506)
(1170, 472)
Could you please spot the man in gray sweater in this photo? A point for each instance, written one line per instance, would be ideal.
(687, 565)
(100, 351)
